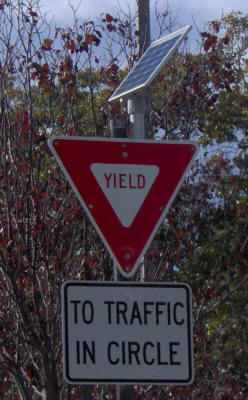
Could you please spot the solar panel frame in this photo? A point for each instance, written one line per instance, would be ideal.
(147, 68)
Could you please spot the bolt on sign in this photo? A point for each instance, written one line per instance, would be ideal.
(127, 333)
(125, 186)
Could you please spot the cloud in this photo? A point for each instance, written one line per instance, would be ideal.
(213, 9)
(183, 10)
(87, 9)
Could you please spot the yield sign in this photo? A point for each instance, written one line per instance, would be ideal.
(125, 186)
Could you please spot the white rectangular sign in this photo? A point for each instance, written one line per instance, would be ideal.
(127, 333)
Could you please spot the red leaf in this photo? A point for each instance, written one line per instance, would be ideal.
(88, 39)
(9, 350)
(34, 74)
(210, 42)
(109, 18)
(191, 248)
(25, 127)
(225, 40)
(18, 117)
(178, 234)
(47, 89)
(47, 43)
(33, 14)
(70, 91)
(61, 118)
(79, 38)
(111, 27)
(45, 68)
(29, 373)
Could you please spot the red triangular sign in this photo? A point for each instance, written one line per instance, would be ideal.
(125, 186)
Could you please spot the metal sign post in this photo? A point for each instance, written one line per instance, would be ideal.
(136, 110)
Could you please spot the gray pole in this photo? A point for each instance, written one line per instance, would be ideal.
(139, 105)
(136, 109)
(143, 25)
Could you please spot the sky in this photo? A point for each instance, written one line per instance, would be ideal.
(186, 12)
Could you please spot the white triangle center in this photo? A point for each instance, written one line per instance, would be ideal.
(125, 186)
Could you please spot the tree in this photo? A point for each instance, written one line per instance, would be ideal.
(40, 245)
(55, 80)
(204, 239)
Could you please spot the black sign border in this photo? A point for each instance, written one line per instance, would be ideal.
(73, 381)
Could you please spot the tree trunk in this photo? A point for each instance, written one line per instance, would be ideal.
(127, 392)
(85, 392)
(50, 379)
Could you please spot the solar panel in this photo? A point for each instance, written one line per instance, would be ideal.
(150, 64)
